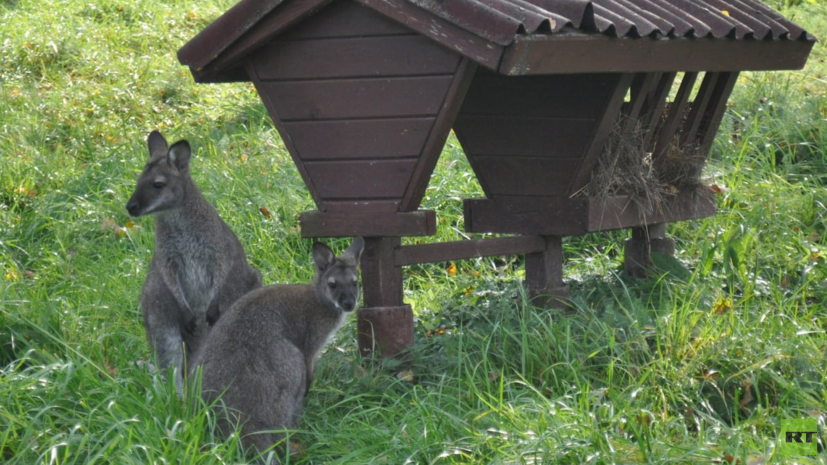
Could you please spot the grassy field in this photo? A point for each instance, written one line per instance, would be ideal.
(695, 367)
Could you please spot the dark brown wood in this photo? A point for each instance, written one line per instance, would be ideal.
(386, 323)
(345, 19)
(354, 57)
(271, 107)
(211, 67)
(715, 110)
(381, 278)
(622, 212)
(639, 91)
(582, 53)
(454, 38)
(581, 215)
(360, 179)
(472, 248)
(652, 111)
(344, 223)
(385, 331)
(524, 136)
(559, 96)
(637, 254)
(611, 109)
(528, 176)
(677, 112)
(439, 134)
(544, 275)
(360, 139)
(698, 108)
(527, 215)
(358, 98)
(359, 207)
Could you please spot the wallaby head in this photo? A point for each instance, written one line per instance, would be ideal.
(337, 278)
(162, 183)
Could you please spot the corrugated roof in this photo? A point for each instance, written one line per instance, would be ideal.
(500, 21)
(503, 21)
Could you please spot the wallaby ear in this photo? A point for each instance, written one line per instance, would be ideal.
(355, 249)
(323, 257)
(179, 155)
(156, 143)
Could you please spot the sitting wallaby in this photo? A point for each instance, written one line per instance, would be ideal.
(260, 357)
(199, 268)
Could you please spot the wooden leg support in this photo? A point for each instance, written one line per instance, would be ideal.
(544, 275)
(639, 248)
(385, 324)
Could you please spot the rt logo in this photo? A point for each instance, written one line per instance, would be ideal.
(798, 437)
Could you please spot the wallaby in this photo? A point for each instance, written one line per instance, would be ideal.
(199, 268)
(261, 356)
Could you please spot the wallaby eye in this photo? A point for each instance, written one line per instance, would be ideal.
(158, 185)
(332, 284)
(354, 283)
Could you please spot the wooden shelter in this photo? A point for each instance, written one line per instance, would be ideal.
(365, 92)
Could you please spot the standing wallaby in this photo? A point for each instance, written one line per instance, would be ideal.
(260, 357)
(199, 268)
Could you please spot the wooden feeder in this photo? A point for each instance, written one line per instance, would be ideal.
(365, 92)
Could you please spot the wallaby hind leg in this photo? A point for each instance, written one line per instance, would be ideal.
(163, 326)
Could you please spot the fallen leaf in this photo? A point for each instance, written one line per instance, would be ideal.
(673, 190)
(814, 237)
(130, 224)
(243, 158)
(452, 270)
(784, 282)
(264, 211)
(493, 375)
(719, 189)
(725, 12)
(405, 375)
(710, 374)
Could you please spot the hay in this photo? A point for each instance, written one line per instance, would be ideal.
(625, 167)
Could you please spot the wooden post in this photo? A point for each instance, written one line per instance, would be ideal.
(385, 324)
(544, 275)
(645, 240)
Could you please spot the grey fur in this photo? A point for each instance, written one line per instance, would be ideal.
(199, 268)
(262, 355)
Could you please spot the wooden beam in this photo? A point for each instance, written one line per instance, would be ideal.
(577, 52)
(699, 108)
(715, 111)
(611, 109)
(381, 278)
(467, 44)
(439, 134)
(652, 111)
(367, 223)
(572, 217)
(677, 111)
(473, 248)
(207, 66)
(527, 215)
(639, 90)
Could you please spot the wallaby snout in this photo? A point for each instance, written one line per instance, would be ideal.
(161, 184)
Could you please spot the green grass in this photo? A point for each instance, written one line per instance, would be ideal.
(674, 369)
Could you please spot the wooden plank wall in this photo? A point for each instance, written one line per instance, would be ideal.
(356, 97)
(526, 136)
